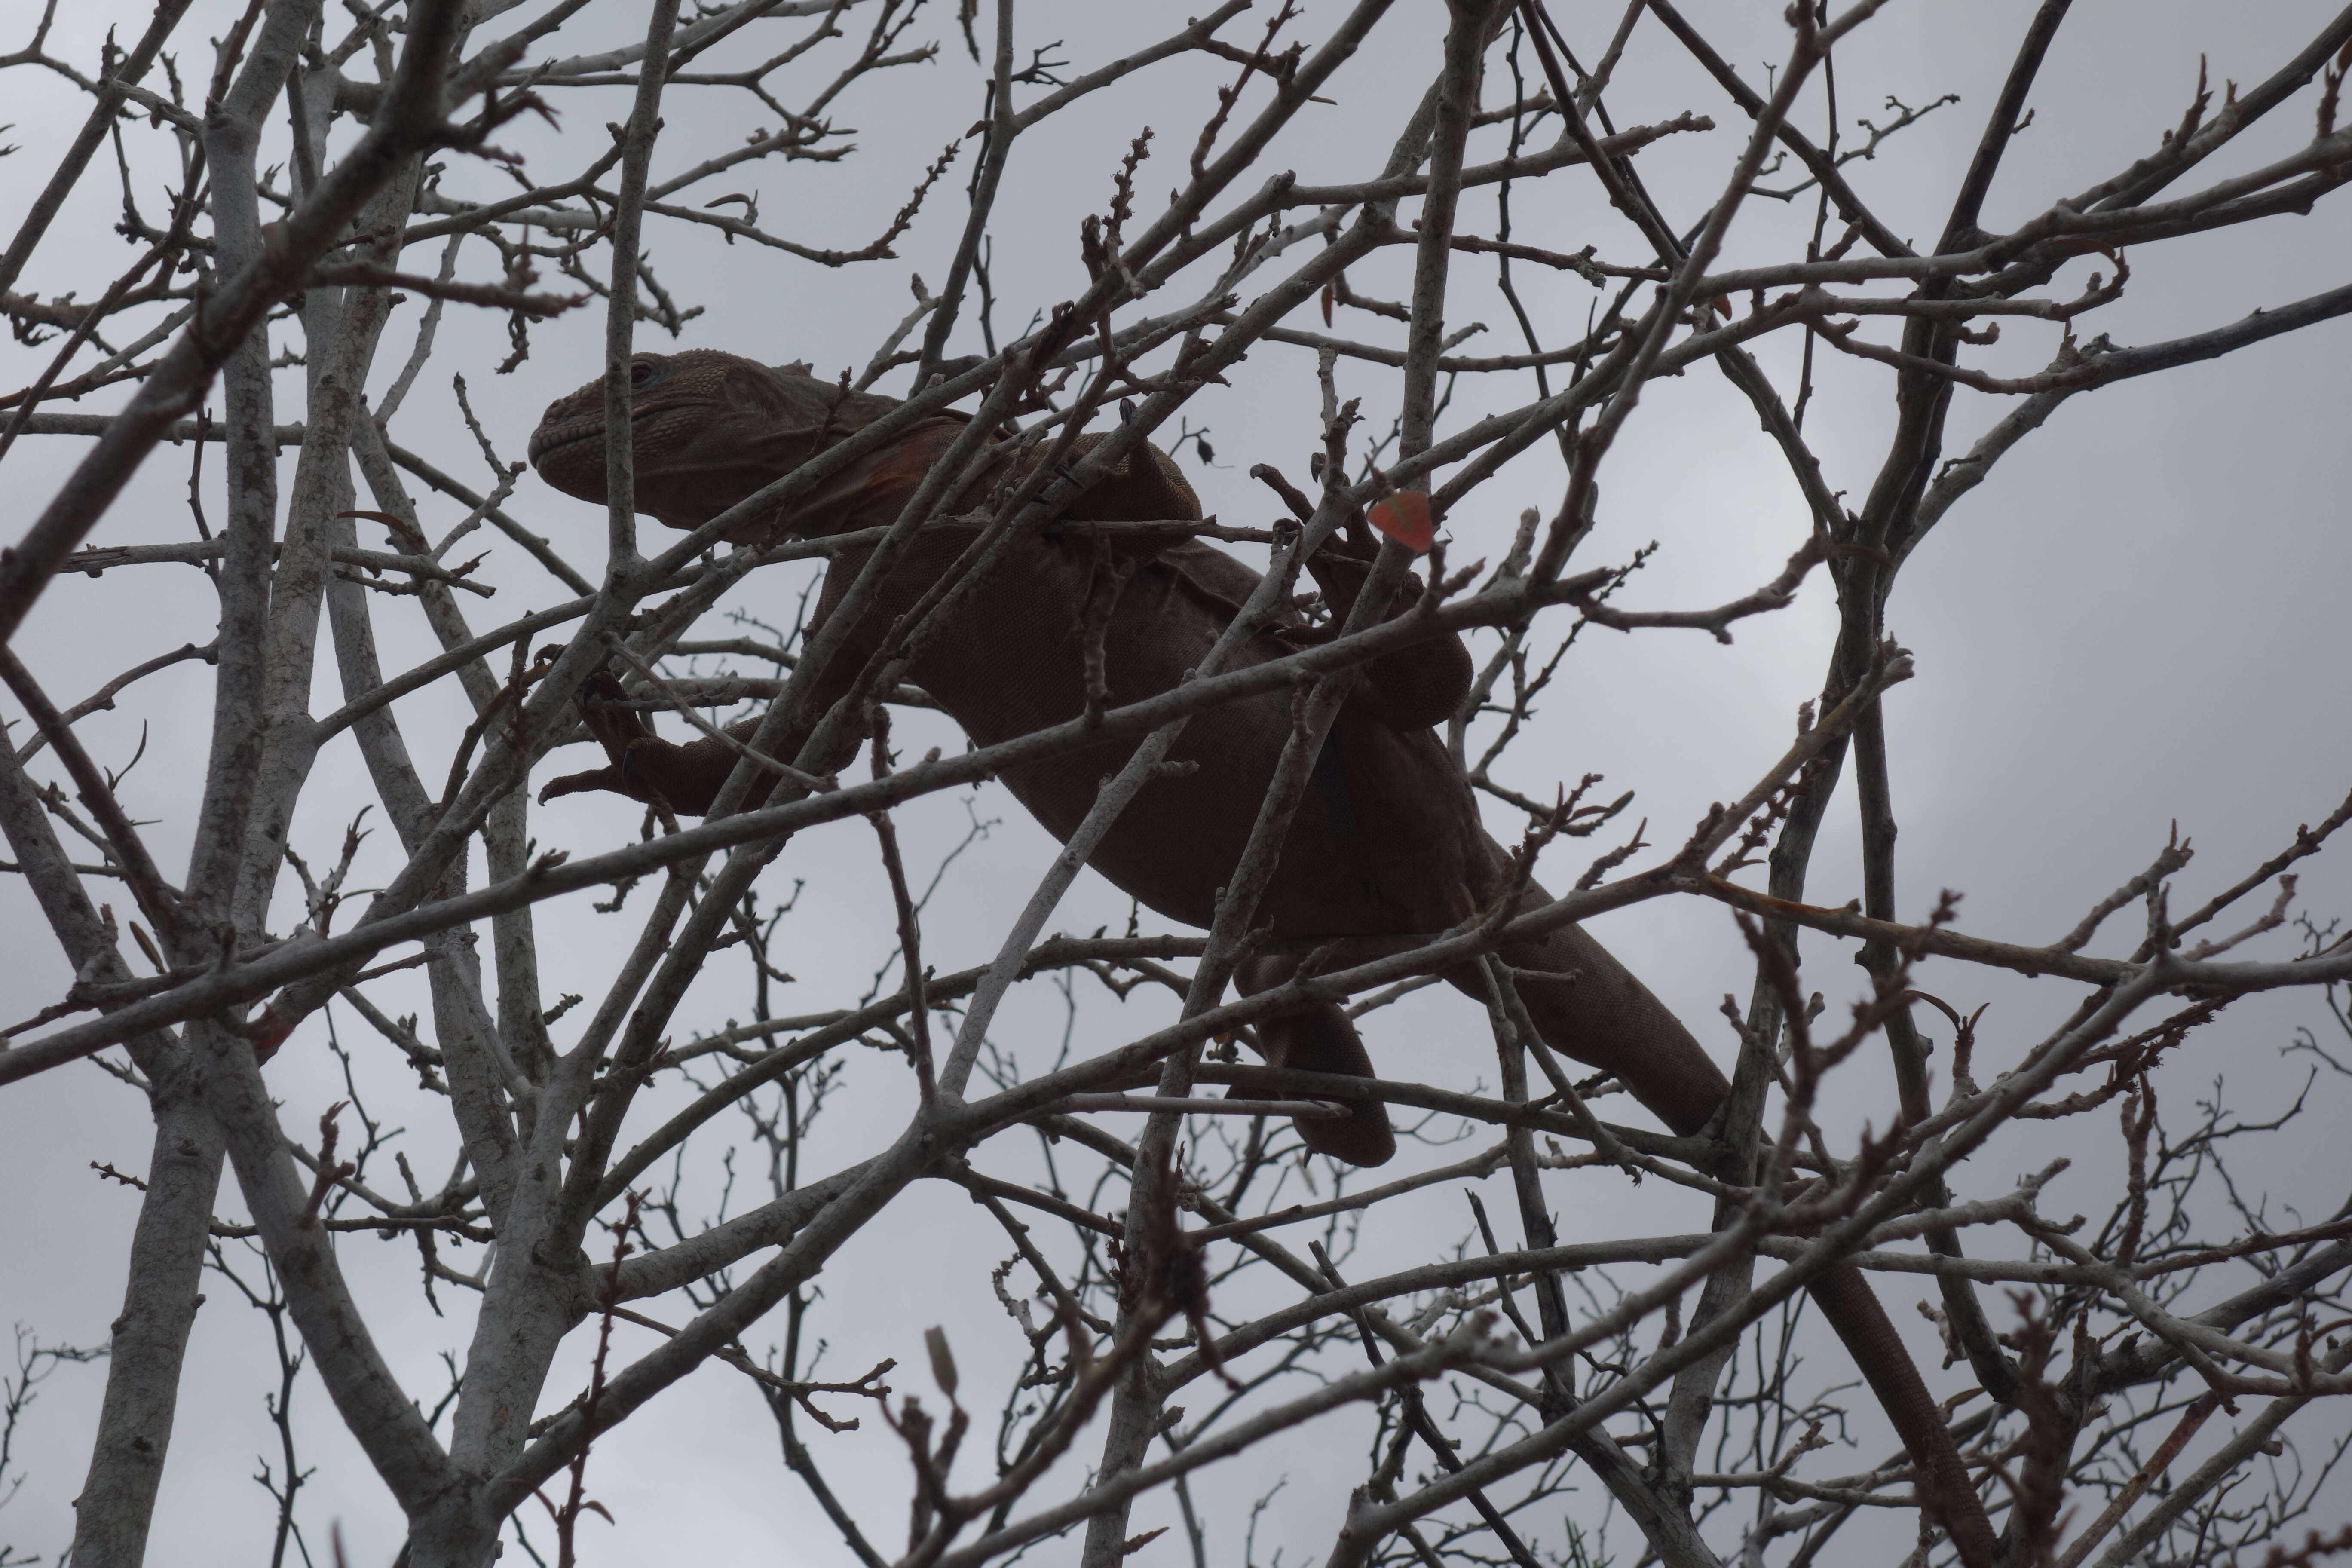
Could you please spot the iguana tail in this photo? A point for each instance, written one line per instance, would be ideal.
(1941, 1479)
(1588, 1005)
(1599, 1014)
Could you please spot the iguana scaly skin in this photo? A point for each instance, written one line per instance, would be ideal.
(1386, 849)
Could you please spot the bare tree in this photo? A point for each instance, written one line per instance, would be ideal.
(1199, 1286)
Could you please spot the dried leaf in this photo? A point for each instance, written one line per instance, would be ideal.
(943, 1366)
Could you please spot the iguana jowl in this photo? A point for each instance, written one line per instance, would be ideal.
(1387, 849)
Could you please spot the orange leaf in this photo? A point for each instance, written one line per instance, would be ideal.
(1405, 517)
(1326, 304)
(268, 1033)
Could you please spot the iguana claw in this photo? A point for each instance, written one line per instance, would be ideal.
(582, 783)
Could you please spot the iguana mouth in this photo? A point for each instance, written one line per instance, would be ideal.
(554, 438)
(549, 438)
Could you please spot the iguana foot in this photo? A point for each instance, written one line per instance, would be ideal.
(1322, 1039)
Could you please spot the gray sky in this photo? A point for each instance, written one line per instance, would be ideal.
(2136, 621)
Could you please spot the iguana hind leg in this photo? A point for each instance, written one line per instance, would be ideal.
(1585, 1004)
(1321, 1038)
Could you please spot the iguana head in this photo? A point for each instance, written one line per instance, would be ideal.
(706, 429)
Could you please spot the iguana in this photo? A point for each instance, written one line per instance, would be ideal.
(1387, 849)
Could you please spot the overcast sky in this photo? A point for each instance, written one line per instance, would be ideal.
(2137, 621)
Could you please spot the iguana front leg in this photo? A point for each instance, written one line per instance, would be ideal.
(1146, 487)
(616, 729)
(1413, 688)
(643, 766)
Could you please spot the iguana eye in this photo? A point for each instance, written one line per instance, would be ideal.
(643, 373)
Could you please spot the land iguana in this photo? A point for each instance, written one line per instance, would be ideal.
(1385, 851)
